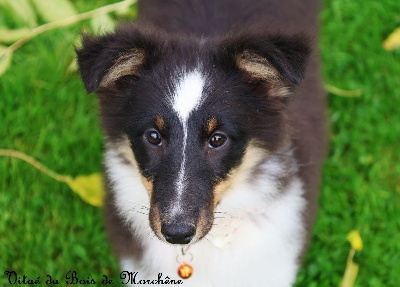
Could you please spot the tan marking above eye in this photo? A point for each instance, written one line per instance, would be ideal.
(160, 124)
(212, 124)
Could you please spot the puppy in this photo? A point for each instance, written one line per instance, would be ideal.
(214, 124)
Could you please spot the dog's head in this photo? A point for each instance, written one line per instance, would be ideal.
(192, 114)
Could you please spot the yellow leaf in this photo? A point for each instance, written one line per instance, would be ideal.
(355, 240)
(102, 24)
(89, 187)
(350, 274)
(11, 36)
(5, 60)
(23, 9)
(393, 41)
(52, 10)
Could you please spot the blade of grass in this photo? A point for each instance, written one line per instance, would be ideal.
(343, 93)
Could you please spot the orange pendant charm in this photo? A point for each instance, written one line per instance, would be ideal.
(185, 271)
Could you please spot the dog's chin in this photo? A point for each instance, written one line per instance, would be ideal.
(192, 242)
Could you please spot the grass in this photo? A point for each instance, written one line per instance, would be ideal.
(46, 229)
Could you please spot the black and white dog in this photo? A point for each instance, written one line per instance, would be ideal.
(213, 114)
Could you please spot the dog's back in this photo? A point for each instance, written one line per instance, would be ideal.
(217, 17)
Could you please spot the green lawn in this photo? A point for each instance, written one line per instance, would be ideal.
(44, 112)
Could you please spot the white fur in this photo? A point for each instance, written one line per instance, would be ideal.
(188, 94)
(186, 98)
(263, 246)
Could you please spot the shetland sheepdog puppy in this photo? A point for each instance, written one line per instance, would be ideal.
(214, 123)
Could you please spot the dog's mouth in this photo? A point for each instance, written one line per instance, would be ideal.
(182, 230)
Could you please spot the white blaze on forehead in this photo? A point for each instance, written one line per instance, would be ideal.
(187, 98)
(188, 94)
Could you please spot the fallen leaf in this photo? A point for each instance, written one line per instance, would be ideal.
(102, 24)
(393, 41)
(52, 10)
(5, 60)
(12, 35)
(355, 240)
(89, 187)
(23, 10)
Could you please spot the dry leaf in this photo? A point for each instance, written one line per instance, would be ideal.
(393, 41)
(10, 36)
(355, 240)
(102, 24)
(350, 273)
(89, 187)
(23, 10)
(5, 60)
(52, 10)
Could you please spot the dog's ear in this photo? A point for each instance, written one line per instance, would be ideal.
(273, 61)
(105, 59)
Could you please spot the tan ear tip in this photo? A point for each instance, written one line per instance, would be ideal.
(126, 64)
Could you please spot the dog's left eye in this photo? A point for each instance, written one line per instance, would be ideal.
(154, 138)
(216, 140)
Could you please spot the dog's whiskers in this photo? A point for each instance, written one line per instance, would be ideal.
(135, 210)
(139, 204)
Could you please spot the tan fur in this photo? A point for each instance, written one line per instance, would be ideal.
(123, 147)
(259, 68)
(126, 64)
(160, 123)
(202, 226)
(211, 125)
(148, 185)
(253, 155)
(155, 221)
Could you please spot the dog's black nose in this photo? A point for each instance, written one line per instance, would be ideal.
(178, 233)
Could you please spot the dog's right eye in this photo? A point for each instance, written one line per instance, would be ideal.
(154, 137)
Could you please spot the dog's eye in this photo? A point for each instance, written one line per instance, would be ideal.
(154, 138)
(216, 140)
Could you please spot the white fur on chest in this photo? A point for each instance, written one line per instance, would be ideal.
(265, 230)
